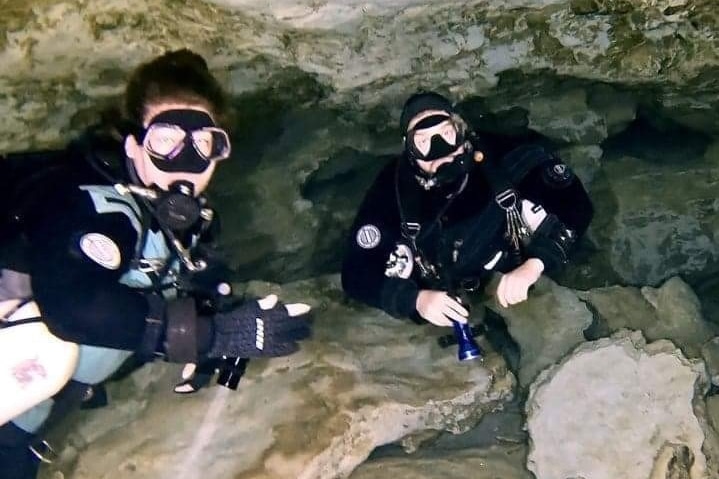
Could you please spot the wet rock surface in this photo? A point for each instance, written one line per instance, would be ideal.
(546, 327)
(617, 407)
(318, 86)
(377, 396)
(496, 461)
(626, 91)
(363, 381)
(670, 311)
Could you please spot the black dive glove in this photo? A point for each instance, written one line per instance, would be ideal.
(260, 328)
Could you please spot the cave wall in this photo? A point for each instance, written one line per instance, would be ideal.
(626, 91)
(318, 85)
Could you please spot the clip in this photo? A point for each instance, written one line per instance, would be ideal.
(45, 453)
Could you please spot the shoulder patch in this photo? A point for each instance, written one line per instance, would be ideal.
(101, 249)
(368, 236)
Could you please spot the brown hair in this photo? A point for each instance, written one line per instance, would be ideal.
(176, 76)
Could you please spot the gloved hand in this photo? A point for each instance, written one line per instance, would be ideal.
(439, 308)
(260, 328)
(513, 286)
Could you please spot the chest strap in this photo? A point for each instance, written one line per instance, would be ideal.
(508, 199)
(408, 206)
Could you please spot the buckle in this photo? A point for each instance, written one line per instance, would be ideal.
(507, 199)
(411, 229)
(44, 452)
(145, 265)
(470, 284)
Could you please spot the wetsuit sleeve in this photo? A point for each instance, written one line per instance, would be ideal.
(76, 261)
(373, 237)
(562, 194)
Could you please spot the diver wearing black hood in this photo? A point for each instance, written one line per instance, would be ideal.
(450, 210)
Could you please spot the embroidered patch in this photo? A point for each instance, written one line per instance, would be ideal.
(368, 236)
(101, 249)
(400, 263)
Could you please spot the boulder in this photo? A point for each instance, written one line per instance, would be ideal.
(545, 327)
(619, 407)
(671, 311)
(498, 461)
(364, 380)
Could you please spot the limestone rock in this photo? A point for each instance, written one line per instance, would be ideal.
(558, 117)
(578, 70)
(671, 311)
(584, 160)
(363, 380)
(679, 315)
(710, 354)
(546, 326)
(713, 411)
(500, 462)
(618, 407)
(655, 224)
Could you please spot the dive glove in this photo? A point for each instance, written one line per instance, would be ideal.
(260, 328)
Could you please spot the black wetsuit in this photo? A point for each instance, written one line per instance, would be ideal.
(85, 300)
(463, 237)
(79, 246)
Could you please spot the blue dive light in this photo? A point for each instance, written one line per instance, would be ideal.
(467, 347)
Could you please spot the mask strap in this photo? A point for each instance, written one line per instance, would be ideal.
(410, 228)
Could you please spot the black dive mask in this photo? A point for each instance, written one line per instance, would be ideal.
(436, 137)
(184, 140)
(177, 208)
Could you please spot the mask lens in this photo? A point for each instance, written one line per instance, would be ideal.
(164, 141)
(212, 144)
(434, 137)
(449, 133)
(422, 143)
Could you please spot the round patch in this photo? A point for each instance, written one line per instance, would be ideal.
(368, 236)
(101, 249)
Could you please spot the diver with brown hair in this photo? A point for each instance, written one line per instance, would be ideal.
(106, 253)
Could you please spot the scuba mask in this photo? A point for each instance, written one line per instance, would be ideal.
(184, 141)
(434, 138)
(180, 141)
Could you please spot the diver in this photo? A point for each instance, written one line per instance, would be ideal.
(452, 209)
(117, 260)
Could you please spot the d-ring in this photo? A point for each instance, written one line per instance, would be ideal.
(48, 454)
